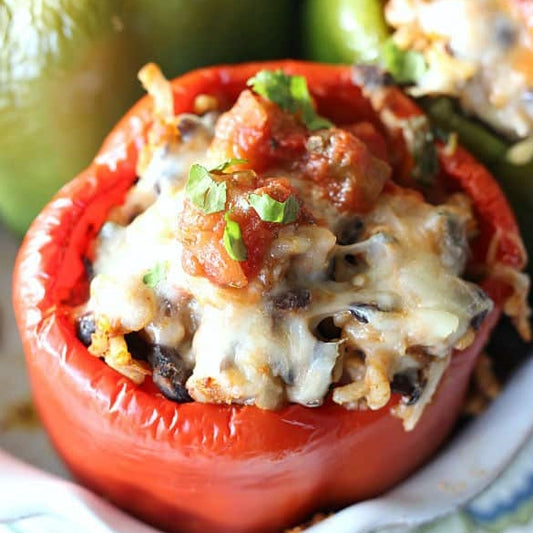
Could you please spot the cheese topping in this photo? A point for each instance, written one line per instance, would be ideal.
(480, 51)
(360, 302)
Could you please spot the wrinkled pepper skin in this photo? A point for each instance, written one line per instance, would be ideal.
(197, 467)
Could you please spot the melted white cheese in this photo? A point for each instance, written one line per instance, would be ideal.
(478, 50)
(393, 298)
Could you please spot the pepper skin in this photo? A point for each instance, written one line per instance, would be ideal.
(197, 467)
(343, 31)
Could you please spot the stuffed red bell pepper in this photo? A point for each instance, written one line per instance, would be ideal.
(264, 298)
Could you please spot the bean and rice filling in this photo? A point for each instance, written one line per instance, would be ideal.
(265, 256)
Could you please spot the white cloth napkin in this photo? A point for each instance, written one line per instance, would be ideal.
(33, 501)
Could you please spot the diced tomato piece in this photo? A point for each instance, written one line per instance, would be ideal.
(259, 131)
(349, 174)
(204, 253)
(201, 235)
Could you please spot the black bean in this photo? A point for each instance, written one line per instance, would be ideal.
(169, 373)
(85, 327)
(352, 259)
(289, 377)
(138, 347)
(409, 385)
(481, 293)
(327, 331)
(167, 307)
(478, 319)
(454, 231)
(133, 215)
(350, 232)
(371, 76)
(292, 299)
(361, 310)
(88, 267)
(330, 270)
(359, 316)
(287, 374)
(505, 32)
(187, 126)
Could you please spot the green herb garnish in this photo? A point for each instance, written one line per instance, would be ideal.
(155, 275)
(271, 210)
(233, 241)
(204, 191)
(290, 93)
(405, 66)
(228, 163)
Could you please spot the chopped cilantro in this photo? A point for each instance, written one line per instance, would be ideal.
(155, 275)
(405, 66)
(204, 191)
(290, 93)
(228, 163)
(271, 210)
(233, 240)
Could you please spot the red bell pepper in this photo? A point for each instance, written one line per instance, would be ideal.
(199, 467)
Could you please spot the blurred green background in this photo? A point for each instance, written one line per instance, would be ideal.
(68, 72)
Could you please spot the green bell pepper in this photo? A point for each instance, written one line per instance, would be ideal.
(67, 71)
(343, 31)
